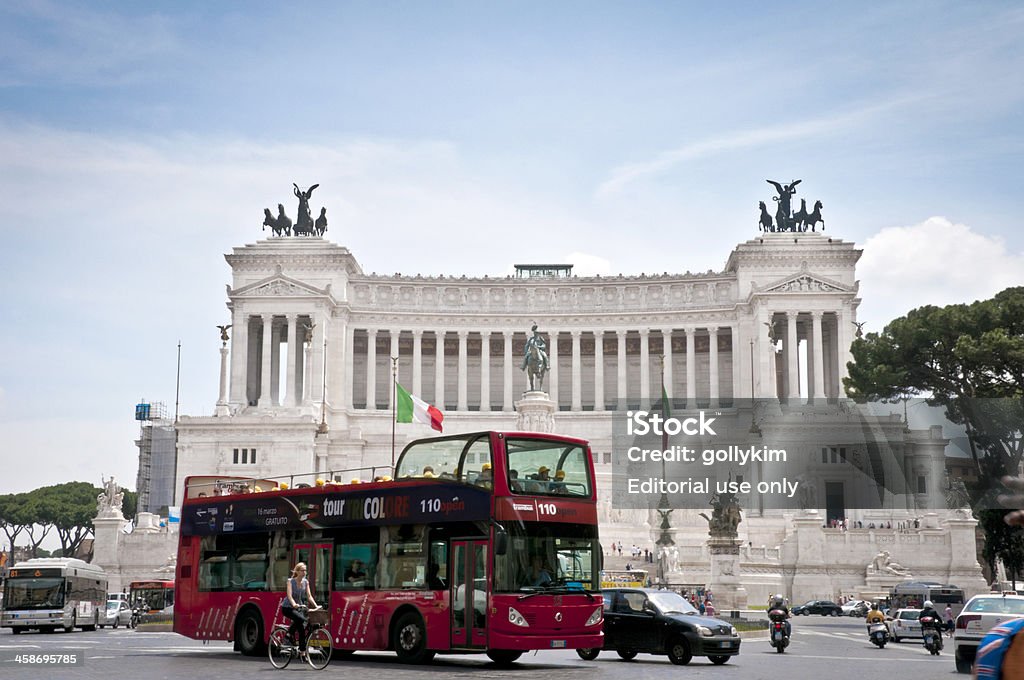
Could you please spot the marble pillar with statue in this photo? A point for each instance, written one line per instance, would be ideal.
(535, 412)
(724, 545)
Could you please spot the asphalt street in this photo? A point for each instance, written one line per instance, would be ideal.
(834, 648)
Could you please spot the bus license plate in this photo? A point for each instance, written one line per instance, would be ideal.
(558, 644)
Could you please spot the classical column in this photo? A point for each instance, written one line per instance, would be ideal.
(307, 370)
(792, 360)
(392, 354)
(265, 368)
(222, 399)
(239, 357)
(819, 358)
(645, 367)
(620, 368)
(417, 363)
(553, 374)
(691, 368)
(463, 393)
(846, 333)
(598, 371)
(485, 370)
(713, 365)
(276, 330)
(371, 368)
(577, 370)
(348, 359)
(737, 363)
(666, 351)
(506, 404)
(291, 375)
(439, 370)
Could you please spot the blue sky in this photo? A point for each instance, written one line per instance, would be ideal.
(139, 142)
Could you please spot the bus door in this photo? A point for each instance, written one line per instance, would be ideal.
(469, 586)
(317, 557)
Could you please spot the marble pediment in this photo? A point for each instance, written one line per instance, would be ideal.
(805, 282)
(277, 286)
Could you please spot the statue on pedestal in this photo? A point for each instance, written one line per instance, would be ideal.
(535, 359)
(882, 564)
(725, 516)
(108, 502)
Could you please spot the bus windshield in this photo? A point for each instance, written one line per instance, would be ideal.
(546, 468)
(546, 556)
(34, 593)
(443, 458)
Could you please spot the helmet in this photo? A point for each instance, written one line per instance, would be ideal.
(874, 606)
(778, 599)
(927, 603)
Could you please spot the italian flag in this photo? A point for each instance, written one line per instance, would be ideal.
(412, 408)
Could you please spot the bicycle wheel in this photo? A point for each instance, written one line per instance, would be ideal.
(280, 649)
(318, 649)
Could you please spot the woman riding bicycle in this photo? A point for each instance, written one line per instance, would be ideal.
(293, 604)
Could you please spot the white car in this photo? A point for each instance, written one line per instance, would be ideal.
(117, 613)
(856, 608)
(905, 624)
(980, 614)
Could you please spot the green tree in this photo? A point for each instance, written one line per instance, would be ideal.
(12, 516)
(69, 508)
(130, 503)
(968, 358)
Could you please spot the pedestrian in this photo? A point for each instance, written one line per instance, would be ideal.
(709, 609)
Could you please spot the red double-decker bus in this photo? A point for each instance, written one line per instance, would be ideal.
(483, 542)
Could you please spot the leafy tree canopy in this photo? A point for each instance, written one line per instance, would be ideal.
(968, 358)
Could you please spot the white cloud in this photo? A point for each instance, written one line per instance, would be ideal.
(744, 139)
(935, 262)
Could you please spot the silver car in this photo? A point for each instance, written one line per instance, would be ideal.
(117, 613)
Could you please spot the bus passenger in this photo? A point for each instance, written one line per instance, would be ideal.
(355, 574)
(486, 477)
(513, 481)
(434, 581)
(297, 593)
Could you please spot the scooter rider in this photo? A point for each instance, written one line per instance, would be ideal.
(778, 604)
(929, 610)
(875, 615)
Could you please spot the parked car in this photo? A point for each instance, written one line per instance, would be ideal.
(117, 613)
(823, 607)
(904, 624)
(856, 608)
(980, 614)
(642, 620)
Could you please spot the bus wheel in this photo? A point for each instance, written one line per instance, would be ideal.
(410, 639)
(74, 622)
(503, 657)
(249, 633)
(588, 653)
(15, 630)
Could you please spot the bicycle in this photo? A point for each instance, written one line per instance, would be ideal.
(282, 648)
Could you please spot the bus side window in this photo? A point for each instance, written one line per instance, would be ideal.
(404, 560)
(355, 566)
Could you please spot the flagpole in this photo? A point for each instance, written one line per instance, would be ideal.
(394, 407)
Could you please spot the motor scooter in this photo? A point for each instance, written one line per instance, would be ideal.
(930, 630)
(777, 633)
(878, 633)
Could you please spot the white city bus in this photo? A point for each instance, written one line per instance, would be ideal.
(50, 593)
